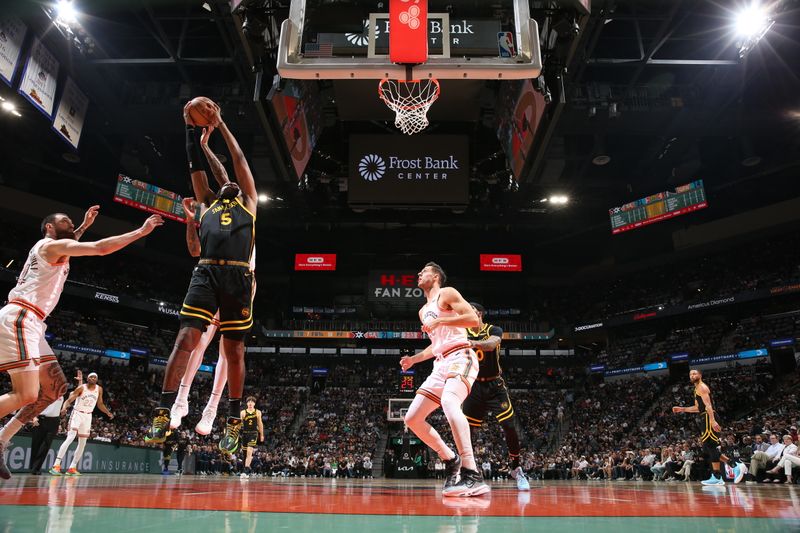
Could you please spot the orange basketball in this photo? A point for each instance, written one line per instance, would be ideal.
(202, 110)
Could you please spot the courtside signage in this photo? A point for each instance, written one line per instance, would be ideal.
(501, 263)
(409, 170)
(315, 262)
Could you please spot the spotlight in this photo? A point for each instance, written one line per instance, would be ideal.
(8, 106)
(67, 14)
(559, 200)
(751, 25)
(207, 6)
(263, 198)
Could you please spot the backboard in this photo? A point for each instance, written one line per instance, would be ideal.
(467, 40)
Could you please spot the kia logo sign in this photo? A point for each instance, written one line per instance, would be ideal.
(315, 262)
(372, 167)
(501, 263)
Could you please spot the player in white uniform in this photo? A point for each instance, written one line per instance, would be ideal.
(36, 377)
(445, 318)
(80, 422)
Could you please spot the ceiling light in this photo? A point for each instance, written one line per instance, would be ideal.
(752, 20)
(207, 6)
(67, 14)
(263, 198)
(7, 106)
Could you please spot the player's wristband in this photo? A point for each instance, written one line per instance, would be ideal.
(193, 153)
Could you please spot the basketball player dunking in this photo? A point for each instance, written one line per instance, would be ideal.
(444, 318)
(490, 393)
(707, 424)
(80, 422)
(181, 406)
(222, 281)
(252, 433)
(36, 377)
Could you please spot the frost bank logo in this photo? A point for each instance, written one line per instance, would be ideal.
(372, 167)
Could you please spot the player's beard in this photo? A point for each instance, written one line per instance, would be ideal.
(65, 234)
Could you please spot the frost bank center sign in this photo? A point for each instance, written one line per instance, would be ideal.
(401, 170)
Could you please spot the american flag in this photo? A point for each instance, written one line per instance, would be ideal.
(322, 48)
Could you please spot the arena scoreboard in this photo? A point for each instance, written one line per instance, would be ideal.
(150, 198)
(657, 207)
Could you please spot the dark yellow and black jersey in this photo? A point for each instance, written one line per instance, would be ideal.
(704, 422)
(227, 231)
(250, 421)
(488, 363)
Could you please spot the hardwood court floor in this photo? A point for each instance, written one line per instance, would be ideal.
(120, 503)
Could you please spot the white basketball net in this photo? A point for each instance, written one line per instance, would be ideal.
(410, 101)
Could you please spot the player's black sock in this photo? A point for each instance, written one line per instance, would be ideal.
(168, 398)
(247, 470)
(235, 407)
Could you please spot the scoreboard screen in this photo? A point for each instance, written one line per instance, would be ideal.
(657, 207)
(405, 382)
(149, 198)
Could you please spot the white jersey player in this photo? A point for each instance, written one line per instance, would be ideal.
(36, 377)
(445, 317)
(86, 397)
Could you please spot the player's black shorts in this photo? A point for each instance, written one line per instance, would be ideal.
(228, 289)
(249, 439)
(709, 438)
(488, 396)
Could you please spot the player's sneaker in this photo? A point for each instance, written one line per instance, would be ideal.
(56, 470)
(713, 480)
(522, 479)
(158, 431)
(72, 472)
(229, 443)
(206, 423)
(471, 484)
(179, 409)
(244, 475)
(451, 470)
(5, 473)
(740, 470)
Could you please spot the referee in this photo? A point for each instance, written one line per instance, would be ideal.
(489, 392)
(44, 430)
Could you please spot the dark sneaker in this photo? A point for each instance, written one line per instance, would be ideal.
(5, 473)
(471, 484)
(229, 443)
(160, 427)
(451, 470)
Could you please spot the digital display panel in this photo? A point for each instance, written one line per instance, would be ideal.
(150, 198)
(657, 207)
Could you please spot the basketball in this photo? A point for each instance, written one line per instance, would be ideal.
(201, 110)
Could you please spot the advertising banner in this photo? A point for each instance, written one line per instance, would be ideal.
(315, 262)
(409, 170)
(393, 286)
(97, 457)
(501, 263)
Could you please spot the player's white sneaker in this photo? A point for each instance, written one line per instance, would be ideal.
(471, 484)
(244, 475)
(206, 423)
(179, 409)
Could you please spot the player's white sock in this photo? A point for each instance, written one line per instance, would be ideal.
(213, 401)
(62, 451)
(78, 452)
(10, 429)
(183, 393)
(453, 396)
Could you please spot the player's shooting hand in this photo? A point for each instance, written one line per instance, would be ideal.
(91, 214)
(207, 131)
(189, 206)
(216, 117)
(151, 223)
(406, 362)
(432, 325)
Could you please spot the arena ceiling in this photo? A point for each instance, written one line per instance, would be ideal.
(657, 86)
